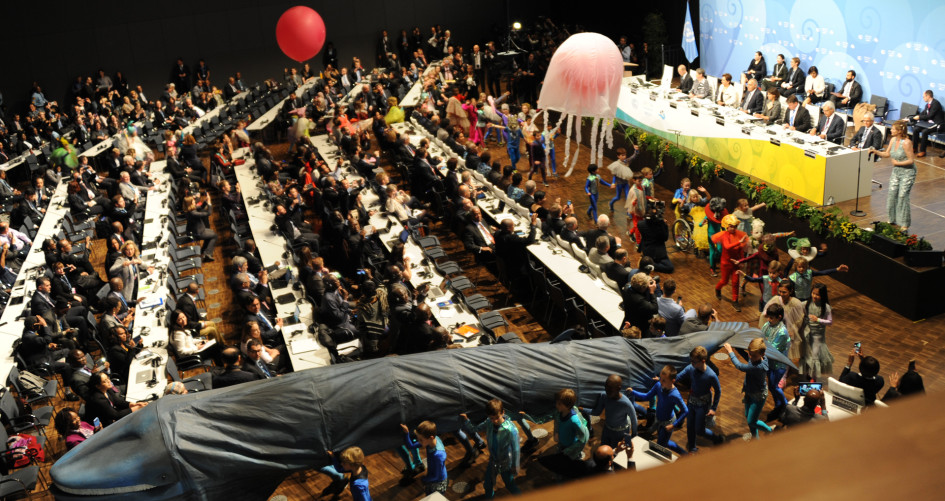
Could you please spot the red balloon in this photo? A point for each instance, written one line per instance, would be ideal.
(300, 33)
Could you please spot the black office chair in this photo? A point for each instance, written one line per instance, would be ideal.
(36, 419)
(882, 107)
(200, 382)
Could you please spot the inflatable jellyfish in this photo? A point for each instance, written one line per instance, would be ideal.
(583, 80)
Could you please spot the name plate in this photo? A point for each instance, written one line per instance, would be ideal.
(810, 153)
(659, 450)
(653, 96)
(695, 113)
(672, 104)
(775, 141)
(720, 121)
(746, 131)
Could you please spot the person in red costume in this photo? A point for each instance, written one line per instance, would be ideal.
(733, 242)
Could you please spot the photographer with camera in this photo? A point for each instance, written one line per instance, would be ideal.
(654, 232)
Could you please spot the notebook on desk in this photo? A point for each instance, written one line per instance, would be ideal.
(207, 345)
(303, 345)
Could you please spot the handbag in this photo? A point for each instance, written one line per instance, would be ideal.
(28, 446)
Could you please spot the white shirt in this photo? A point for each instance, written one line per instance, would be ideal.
(184, 343)
(485, 233)
(816, 83)
(727, 95)
(866, 134)
(15, 239)
(846, 89)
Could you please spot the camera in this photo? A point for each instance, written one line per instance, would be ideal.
(655, 209)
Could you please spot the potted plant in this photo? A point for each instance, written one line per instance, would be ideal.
(920, 254)
(888, 240)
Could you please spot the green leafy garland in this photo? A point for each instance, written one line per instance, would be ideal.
(825, 221)
(700, 168)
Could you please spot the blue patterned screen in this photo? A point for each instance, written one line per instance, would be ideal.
(896, 47)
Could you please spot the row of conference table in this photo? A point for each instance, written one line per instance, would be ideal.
(595, 293)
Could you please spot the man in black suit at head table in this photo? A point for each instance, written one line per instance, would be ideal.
(754, 99)
(831, 125)
(796, 117)
(685, 81)
(929, 121)
(868, 137)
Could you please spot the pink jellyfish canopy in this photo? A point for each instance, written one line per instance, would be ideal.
(583, 80)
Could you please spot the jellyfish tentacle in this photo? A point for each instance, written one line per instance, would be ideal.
(567, 143)
(578, 141)
(600, 147)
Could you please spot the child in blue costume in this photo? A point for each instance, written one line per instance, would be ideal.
(776, 334)
(769, 283)
(620, 415)
(571, 435)
(504, 454)
(668, 400)
(352, 461)
(435, 480)
(514, 143)
(702, 402)
(547, 140)
(591, 188)
(756, 385)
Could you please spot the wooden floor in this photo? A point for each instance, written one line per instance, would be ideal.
(927, 201)
(889, 337)
(893, 339)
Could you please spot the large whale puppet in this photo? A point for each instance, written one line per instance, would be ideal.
(241, 442)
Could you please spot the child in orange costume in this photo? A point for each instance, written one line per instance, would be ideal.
(733, 242)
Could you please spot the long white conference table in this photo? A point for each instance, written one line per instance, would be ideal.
(147, 372)
(595, 293)
(448, 313)
(266, 118)
(33, 267)
(412, 98)
(799, 163)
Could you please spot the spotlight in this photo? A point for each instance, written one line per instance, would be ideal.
(516, 26)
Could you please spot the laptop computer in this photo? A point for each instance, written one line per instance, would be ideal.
(292, 319)
(659, 452)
